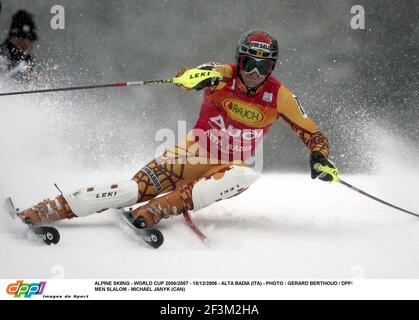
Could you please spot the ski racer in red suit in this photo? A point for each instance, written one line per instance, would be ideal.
(210, 164)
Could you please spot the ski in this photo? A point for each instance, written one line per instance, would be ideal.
(153, 237)
(49, 235)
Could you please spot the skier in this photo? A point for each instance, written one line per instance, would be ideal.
(209, 164)
(16, 60)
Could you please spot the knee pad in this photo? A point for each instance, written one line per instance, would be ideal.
(222, 185)
(85, 201)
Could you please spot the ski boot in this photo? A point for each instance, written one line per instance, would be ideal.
(173, 204)
(47, 211)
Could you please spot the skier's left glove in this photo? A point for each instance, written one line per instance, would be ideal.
(318, 157)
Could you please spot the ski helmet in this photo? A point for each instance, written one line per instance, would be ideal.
(23, 26)
(259, 45)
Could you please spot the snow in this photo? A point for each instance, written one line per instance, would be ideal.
(284, 226)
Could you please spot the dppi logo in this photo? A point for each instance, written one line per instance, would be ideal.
(27, 290)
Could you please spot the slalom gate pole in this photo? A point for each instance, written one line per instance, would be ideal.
(189, 79)
(194, 228)
(335, 175)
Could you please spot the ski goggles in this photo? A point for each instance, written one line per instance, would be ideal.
(263, 67)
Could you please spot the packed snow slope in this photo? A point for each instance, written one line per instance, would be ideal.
(285, 226)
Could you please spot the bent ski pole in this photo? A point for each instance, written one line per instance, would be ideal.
(189, 79)
(335, 175)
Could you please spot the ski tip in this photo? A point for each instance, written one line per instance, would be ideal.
(10, 207)
(9, 200)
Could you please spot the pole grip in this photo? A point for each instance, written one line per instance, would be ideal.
(328, 170)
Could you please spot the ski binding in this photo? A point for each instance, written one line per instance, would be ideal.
(153, 237)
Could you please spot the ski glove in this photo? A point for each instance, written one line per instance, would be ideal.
(207, 83)
(317, 157)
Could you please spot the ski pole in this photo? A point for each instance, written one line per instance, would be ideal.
(189, 79)
(335, 175)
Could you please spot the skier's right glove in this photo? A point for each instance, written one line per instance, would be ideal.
(318, 157)
(179, 74)
(210, 83)
(207, 83)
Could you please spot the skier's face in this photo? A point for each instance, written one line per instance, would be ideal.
(251, 80)
(24, 45)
